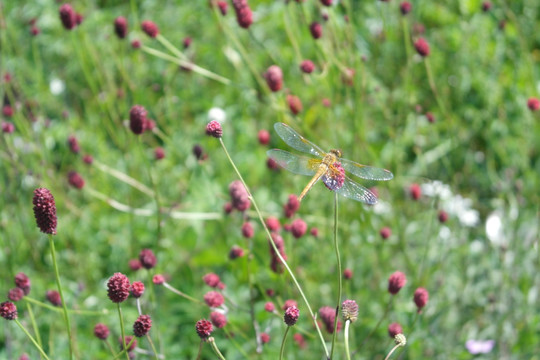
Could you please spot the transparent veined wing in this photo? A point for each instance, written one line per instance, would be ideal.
(297, 141)
(294, 163)
(366, 172)
(355, 191)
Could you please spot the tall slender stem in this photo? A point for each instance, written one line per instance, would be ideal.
(125, 347)
(347, 351)
(32, 339)
(283, 343)
(215, 348)
(340, 280)
(59, 286)
(271, 240)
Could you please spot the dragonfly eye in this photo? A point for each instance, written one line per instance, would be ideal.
(336, 152)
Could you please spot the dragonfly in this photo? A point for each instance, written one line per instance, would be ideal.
(329, 167)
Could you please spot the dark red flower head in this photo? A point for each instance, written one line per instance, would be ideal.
(75, 180)
(88, 159)
(316, 30)
(8, 310)
(385, 232)
(147, 258)
(307, 66)
(137, 119)
(272, 223)
(150, 28)
(347, 274)
(328, 316)
(295, 104)
(101, 331)
(214, 129)
(15, 294)
(394, 329)
(288, 303)
(349, 310)
(533, 104)
(223, 7)
(45, 211)
(54, 298)
(136, 44)
(23, 282)
(204, 328)
(118, 288)
(274, 78)
(244, 15)
(218, 319)
(159, 153)
(74, 144)
(292, 206)
(326, 2)
(214, 299)
(120, 27)
(239, 196)
(236, 252)
(422, 47)
(269, 306)
(486, 6)
(264, 137)
(405, 7)
(135, 264)
(396, 281)
(137, 289)
(443, 216)
(127, 340)
(142, 325)
(158, 279)
(298, 228)
(7, 111)
(247, 230)
(68, 16)
(415, 191)
(265, 338)
(7, 127)
(211, 279)
(430, 117)
(291, 315)
(421, 297)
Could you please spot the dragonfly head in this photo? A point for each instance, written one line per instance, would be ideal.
(336, 152)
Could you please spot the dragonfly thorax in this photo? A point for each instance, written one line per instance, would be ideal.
(336, 152)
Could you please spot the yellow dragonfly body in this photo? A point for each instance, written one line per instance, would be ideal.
(328, 166)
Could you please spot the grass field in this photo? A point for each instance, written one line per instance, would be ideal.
(443, 94)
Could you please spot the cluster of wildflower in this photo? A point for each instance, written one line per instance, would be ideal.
(244, 15)
(138, 120)
(70, 19)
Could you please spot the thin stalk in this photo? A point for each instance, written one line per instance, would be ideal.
(215, 348)
(109, 346)
(32, 339)
(152, 346)
(123, 332)
(125, 350)
(178, 292)
(171, 47)
(347, 351)
(283, 343)
(283, 261)
(76, 312)
(34, 324)
(59, 286)
(380, 320)
(340, 281)
(434, 87)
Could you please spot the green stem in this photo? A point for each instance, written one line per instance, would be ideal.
(434, 87)
(64, 306)
(122, 331)
(32, 339)
(283, 343)
(152, 346)
(347, 350)
(380, 320)
(215, 348)
(278, 254)
(391, 351)
(125, 350)
(340, 280)
(178, 292)
(154, 187)
(34, 324)
(76, 312)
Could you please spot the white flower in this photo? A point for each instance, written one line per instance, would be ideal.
(57, 86)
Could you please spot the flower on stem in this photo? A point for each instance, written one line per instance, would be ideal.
(239, 196)
(247, 230)
(274, 78)
(120, 27)
(147, 258)
(275, 264)
(385, 232)
(15, 294)
(223, 7)
(265, 338)
(405, 7)
(214, 129)
(211, 279)
(316, 30)
(443, 216)
(101, 331)
(298, 228)
(328, 316)
(214, 299)
(295, 104)
(421, 297)
(88, 159)
(347, 274)
(159, 153)
(135, 264)
(396, 281)
(236, 252)
(204, 328)
(137, 119)
(23, 282)
(8, 310)
(244, 15)
(422, 47)
(137, 289)
(118, 288)
(326, 2)
(288, 303)
(218, 319)
(45, 211)
(533, 104)
(136, 44)
(68, 16)
(349, 310)
(75, 180)
(264, 137)
(269, 306)
(7, 127)
(486, 6)
(53, 297)
(394, 329)
(400, 340)
(415, 191)
(150, 28)
(142, 325)
(273, 224)
(7, 111)
(299, 340)
(73, 144)
(307, 66)
(158, 279)
(430, 117)
(127, 340)
(291, 315)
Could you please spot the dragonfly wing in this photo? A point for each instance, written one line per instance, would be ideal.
(297, 141)
(294, 163)
(366, 172)
(355, 191)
